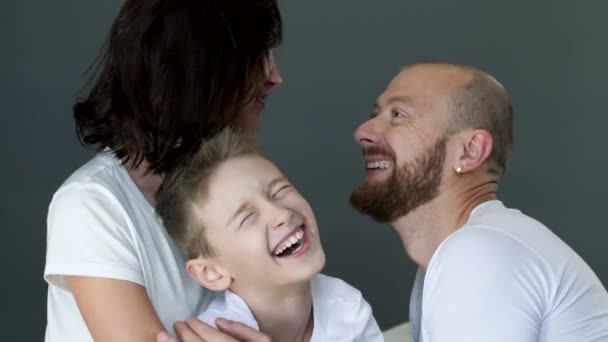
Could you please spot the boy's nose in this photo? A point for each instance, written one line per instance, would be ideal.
(281, 217)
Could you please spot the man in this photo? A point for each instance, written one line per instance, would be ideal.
(435, 149)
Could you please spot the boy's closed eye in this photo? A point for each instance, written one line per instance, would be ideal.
(249, 217)
(282, 190)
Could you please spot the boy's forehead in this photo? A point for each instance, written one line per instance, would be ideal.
(236, 182)
(242, 175)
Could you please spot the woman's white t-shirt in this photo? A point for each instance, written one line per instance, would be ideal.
(99, 224)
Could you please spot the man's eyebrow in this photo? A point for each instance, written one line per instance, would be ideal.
(393, 99)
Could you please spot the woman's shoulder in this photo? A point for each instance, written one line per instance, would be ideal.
(102, 183)
(103, 169)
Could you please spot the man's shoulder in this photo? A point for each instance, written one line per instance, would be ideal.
(478, 258)
(481, 243)
(497, 235)
(507, 222)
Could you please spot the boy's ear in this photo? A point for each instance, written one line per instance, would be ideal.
(209, 273)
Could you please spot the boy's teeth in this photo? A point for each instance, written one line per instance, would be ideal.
(290, 241)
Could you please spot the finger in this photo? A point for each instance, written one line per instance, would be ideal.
(240, 331)
(164, 337)
(185, 333)
(207, 332)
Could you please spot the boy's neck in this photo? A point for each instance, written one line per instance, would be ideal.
(284, 313)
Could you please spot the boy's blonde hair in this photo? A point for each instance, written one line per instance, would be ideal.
(186, 187)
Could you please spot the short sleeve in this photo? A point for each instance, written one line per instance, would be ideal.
(483, 285)
(363, 317)
(342, 313)
(89, 234)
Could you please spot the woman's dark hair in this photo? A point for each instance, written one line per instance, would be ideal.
(174, 72)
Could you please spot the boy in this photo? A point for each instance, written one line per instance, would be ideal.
(246, 230)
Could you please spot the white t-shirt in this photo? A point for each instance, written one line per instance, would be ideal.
(340, 312)
(505, 277)
(99, 224)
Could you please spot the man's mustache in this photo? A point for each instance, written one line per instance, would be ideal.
(379, 151)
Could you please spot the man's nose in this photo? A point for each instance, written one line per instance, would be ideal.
(367, 134)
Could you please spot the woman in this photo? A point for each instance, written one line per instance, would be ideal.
(172, 73)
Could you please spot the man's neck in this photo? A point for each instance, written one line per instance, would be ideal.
(285, 314)
(425, 228)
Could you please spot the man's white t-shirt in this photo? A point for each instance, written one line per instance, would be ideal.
(505, 277)
(99, 224)
(340, 312)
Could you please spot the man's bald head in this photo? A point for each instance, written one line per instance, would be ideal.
(478, 101)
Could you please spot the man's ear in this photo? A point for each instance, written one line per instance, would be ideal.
(209, 273)
(474, 151)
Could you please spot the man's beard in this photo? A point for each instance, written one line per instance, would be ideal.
(408, 187)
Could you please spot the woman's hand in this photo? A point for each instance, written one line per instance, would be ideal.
(193, 330)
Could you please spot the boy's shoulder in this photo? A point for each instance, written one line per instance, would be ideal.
(228, 305)
(341, 313)
(327, 289)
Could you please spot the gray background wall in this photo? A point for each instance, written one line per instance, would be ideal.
(337, 57)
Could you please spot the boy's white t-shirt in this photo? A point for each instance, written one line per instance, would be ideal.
(100, 225)
(340, 312)
(505, 277)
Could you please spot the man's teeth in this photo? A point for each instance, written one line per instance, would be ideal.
(383, 164)
(289, 242)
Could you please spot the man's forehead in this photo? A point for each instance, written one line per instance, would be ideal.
(388, 98)
(418, 84)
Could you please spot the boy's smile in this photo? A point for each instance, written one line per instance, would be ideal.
(294, 244)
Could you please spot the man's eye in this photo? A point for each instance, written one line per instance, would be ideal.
(398, 114)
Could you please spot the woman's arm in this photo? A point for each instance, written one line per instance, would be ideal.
(115, 310)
